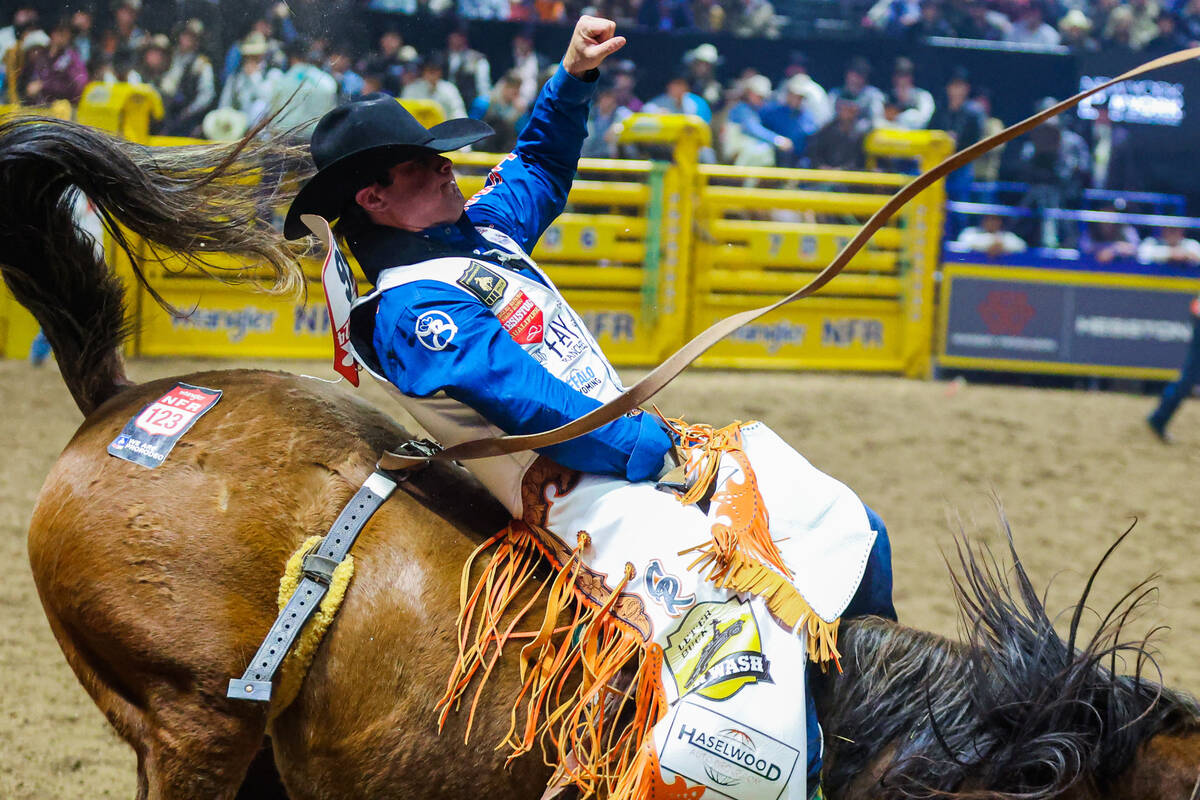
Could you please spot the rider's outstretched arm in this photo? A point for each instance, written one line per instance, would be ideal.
(527, 191)
(475, 361)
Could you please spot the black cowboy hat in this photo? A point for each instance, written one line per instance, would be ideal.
(353, 143)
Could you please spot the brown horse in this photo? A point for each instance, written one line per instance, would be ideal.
(159, 584)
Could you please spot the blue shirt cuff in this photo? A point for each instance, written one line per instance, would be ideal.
(569, 89)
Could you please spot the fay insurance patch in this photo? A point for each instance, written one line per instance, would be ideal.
(147, 439)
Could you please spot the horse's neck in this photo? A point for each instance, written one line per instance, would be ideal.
(892, 677)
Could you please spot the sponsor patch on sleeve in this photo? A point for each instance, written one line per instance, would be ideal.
(523, 320)
(148, 438)
(482, 282)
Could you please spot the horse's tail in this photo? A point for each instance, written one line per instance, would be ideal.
(193, 201)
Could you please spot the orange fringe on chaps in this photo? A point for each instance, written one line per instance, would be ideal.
(741, 555)
(594, 730)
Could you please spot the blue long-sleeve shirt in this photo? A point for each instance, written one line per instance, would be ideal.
(480, 364)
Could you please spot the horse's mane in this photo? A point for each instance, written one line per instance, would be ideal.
(1014, 712)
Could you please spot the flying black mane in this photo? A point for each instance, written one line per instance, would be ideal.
(1014, 712)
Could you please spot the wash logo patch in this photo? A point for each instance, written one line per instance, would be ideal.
(716, 650)
(483, 283)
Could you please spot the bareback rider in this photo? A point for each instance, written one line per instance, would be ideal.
(491, 346)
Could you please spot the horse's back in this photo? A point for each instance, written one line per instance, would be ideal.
(160, 584)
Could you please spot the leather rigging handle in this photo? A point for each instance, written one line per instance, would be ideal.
(665, 372)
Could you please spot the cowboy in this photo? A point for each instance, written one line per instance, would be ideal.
(478, 340)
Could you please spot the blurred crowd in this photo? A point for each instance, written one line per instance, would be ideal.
(279, 71)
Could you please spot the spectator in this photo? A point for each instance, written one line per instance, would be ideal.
(1054, 162)
(931, 22)
(701, 64)
(432, 86)
(154, 60)
(528, 65)
(604, 123)
(1189, 21)
(303, 94)
(987, 166)
(1169, 39)
(390, 62)
(1109, 241)
(1100, 13)
(53, 69)
(1031, 27)
(1112, 157)
(1169, 248)
(790, 118)
(856, 88)
(990, 238)
(708, 15)
(747, 142)
(249, 90)
(754, 18)
(916, 105)
(502, 110)
(964, 122)
(1145, 25)
(665, 15)
(982, 23)
(127, 35)
(483, 9)
(893, 17)
(625, 83)
(1118, 34)
(1076, 30)
(189, 86)
(81, 30)
(340, 66)
(116, 67)
(678, 100)
(839, 145)
(24, 18)
(273, 57)
(816, 100)
(467, 69)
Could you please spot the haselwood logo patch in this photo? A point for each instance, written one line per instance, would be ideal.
(482, 282)
(716, 650)
(726, 755)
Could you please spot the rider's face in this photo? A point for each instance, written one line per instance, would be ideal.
(423, 193)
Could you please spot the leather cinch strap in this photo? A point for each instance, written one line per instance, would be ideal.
(664, 373)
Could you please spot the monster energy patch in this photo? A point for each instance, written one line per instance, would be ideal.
(483, 283)
(716, 650)
(148, 438)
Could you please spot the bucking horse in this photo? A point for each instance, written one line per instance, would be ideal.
(160, 584)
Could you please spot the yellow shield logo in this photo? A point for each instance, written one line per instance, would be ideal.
(716, 650)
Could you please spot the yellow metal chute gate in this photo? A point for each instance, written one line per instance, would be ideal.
(762, 232)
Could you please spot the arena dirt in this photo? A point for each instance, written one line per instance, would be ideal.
(1072, 470)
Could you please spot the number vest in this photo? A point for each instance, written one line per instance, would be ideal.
(538, 318)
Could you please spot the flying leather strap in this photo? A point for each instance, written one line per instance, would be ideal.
(318, 566)
(663, 374)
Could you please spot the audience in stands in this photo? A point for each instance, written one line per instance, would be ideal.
(797, 124)
(990, 238)
(1110, 241)
(431, 85)
(1170, 247)
(857, 89)
(839, 144)
(189, 86)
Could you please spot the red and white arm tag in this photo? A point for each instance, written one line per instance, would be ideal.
(341, 290)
